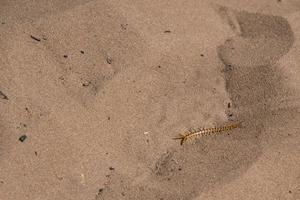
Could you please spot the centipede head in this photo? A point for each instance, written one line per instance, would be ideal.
(182, 138)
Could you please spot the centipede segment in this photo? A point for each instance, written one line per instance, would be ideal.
(203, 132)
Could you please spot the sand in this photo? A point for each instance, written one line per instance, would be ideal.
(93, 91)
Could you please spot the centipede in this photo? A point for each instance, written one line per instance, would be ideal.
(191, 134)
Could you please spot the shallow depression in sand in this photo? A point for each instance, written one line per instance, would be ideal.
(252, 81)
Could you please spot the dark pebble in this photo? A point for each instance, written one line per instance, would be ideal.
(23, 138)
(86, 84)
(3, 96)
(100, 191)
(109, 60)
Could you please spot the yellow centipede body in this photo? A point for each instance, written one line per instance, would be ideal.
(204, 132)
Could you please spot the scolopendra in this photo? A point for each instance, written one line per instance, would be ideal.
(204, 131)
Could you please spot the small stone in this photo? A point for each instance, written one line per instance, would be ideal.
(100, 191)
(23, 138)
(109, 60)
(3, 96)
(85, 84)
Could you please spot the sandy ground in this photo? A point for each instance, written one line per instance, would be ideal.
(93, 91)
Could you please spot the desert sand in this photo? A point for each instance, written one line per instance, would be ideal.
(92, 93)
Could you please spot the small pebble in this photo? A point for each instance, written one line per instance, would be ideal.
(3, 96)
(23, 138)
(111, 168)
(100, 191)
(109, 60)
